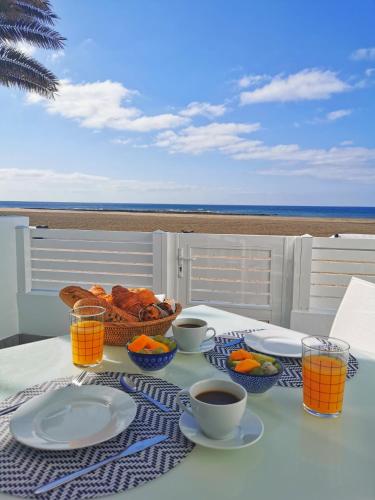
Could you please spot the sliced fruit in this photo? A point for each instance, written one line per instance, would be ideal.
(246, 365)
(139, 343)
(240, 354)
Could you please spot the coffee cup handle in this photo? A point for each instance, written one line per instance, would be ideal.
(211, 336)
(180, 404)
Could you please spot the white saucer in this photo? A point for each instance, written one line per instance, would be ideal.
(206, 346)
(73, 417)
(277, 342)
(247, 433)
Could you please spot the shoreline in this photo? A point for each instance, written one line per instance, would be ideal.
(192, 222)
(180, 212)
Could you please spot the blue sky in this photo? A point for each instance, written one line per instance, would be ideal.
(261, 102)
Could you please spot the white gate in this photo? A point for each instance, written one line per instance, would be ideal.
(241, 274)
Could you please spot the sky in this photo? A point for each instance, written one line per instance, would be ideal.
(213, 102)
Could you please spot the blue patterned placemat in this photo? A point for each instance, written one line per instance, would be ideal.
(292, 376)
(23, 468)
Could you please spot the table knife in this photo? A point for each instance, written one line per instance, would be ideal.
(134, 448)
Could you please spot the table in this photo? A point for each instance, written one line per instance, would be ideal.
(299, 456)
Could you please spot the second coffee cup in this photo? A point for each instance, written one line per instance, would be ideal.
(189, 333)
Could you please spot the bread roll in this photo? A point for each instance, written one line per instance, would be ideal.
(70, 294)
(113, 313)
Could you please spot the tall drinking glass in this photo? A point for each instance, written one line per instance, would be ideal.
(87, 335)
(324, 366)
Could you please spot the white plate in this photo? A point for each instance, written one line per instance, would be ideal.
(206, 346)
(249, 431)
(73, 417)
(276, 342)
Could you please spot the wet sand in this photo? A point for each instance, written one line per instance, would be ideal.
(198, 223)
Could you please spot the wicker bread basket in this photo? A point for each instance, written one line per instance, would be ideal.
(117, 330)
(117, 333)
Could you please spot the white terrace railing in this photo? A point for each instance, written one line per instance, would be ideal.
(323, 269)
(286, 280)
(61, 257)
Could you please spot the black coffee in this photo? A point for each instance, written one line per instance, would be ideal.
(189, 325)
(217, 397)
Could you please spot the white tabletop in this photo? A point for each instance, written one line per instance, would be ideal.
(299, 456)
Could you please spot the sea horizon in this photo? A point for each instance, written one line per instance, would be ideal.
(259, 210)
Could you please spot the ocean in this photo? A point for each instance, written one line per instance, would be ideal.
(266, 210)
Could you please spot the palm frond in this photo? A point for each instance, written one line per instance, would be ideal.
(9, 7)
(26, 11)
(32, 32)
(25, 84)
(23, 71)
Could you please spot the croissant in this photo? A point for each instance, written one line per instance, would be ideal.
(146, 296)
(126, 300)
(99, 291)
(113, 313)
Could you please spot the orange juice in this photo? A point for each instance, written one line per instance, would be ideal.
(87, 342)
(323, 383)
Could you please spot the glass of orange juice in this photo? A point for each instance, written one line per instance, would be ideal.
(87, 335)
(324, 366)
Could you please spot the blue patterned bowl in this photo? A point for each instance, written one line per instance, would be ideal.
(255, 383)
(152, 362)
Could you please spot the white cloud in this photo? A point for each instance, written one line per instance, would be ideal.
(195, 140)
(346, 143)
(336, 115)
(121, 141)
(104, 104)
(365, 54)
(308, 84)
(56, 55)
(354, 163)
(338, 173)
(369, 72)
(51, 183)
(252, 80)
(204, 109)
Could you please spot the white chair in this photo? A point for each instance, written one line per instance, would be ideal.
(355, 318)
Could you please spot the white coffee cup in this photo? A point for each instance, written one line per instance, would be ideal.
(217, 421)
(190, 338)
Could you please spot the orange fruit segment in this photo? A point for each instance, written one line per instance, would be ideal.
(138, 344)
(240, 354)
(246, 365)
(145, 342)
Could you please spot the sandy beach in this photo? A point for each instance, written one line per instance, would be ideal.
(198, 223)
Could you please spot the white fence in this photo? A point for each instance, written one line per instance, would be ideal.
(323, 269)
(291, 281)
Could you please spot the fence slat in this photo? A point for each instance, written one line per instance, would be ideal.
(93, 256)
(344, 255)
(344, 244)
(318, 266)
(90, 235)
(215, 297)
(76, 266)
(230, 264)
(263, 288)
(92, 245)
(248, 276)
(337, 279)
(98, 277)
(230, 253)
